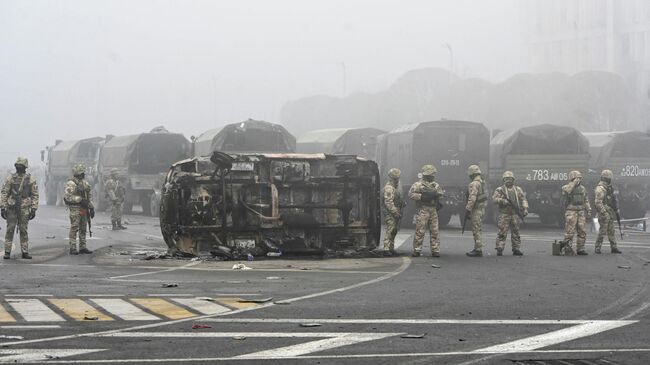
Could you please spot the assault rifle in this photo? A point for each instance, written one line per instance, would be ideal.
(513, 205)
(466, 216)
(616, 209)
(85, 205)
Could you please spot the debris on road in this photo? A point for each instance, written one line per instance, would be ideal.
(170, 285)
(50, 237)
(258, 301)
(310, 325)
(240, 267)
(8, 337)
(207, 299)
(421, 335)
(624, 267)
(273, 278)
(435, 266)
(200, 326)
(239, 338)
(90, 318)
(282, 302)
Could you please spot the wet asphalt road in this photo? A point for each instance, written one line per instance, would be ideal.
(111, 307)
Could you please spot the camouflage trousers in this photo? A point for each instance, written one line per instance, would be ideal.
(477, 228)
(392, 227)
(576, 221)
(15, 220)
(116, 212)
(606, 229)
(426, 218)
(507, 222)
(78, 226)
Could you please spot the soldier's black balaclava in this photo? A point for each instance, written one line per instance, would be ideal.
(81, 176)
(20, 169)
(606, 180)
(509, 181)
(428, 178)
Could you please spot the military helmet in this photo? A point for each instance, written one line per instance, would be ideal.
(22, 161)
(574, 174)
(114, 172)
(508, 174)
(394, 173)
(607, 174)
(78, 169)
(473, 170)
(429, 170)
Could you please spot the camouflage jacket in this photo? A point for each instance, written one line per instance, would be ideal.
(419, 187)
(575, 197)
(392, 199)
(476, 195)
(115, 191)
(77, 193)
(515, 194)
(19, 187)
(604, 198)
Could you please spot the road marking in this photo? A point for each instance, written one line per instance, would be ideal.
(234, 303)
(202, 306)
(28, 295)
(155, 272)
(555, 337)
(169, 295)
(401, 321)
(163, 307)
(30, 327)
(101, 295)
(79, 310)
(33, 310)
(124, 309)
(29, 355)
(5, 316)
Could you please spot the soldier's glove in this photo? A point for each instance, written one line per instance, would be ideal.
(32, 214)
(92, 213)
(397, 216)
(3, 213)
(428, 196)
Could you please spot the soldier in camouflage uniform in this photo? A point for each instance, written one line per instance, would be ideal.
(78, 198)
(475, 208)
(426, 193)
(577, 210)
(504, 197)
(18, 205)
(393, 204)
(115, 192)
(606, 206)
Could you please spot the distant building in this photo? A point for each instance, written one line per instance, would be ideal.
(576, 35)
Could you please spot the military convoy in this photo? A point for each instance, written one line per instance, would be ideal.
(449, 145)
(541, 157)
(248, 136)
(233, 205)
(361, 142)
(60, 159)
(142, 160)
(627, 154)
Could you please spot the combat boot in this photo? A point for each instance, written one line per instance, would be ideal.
(616, 250)
(499, 252)
(416, 254)
(27, 256)
(7, 255)
(73, 251)
(84, 250)
(582, 253)
(517, 253)
(114, 226)
(597, 250)
(119, 225)
(474, 253)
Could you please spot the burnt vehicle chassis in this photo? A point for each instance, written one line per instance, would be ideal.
(273, 203)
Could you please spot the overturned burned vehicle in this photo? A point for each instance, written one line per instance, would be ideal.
(232, 205)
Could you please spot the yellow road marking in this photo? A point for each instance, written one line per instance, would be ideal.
(163, 307)
(233, 302)
(79, 310)
(5, 316)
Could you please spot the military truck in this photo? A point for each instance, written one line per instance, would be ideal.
(449, 145)
(627, 154)
(248, 136)
(60, 159)
(142, 160)
(233, 205)
(348, 141)
(541, 158)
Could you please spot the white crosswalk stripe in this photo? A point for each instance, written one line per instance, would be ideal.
(124, 309)
(202, 306)
(33, 310)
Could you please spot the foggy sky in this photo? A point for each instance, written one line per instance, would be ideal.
(76, 69)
